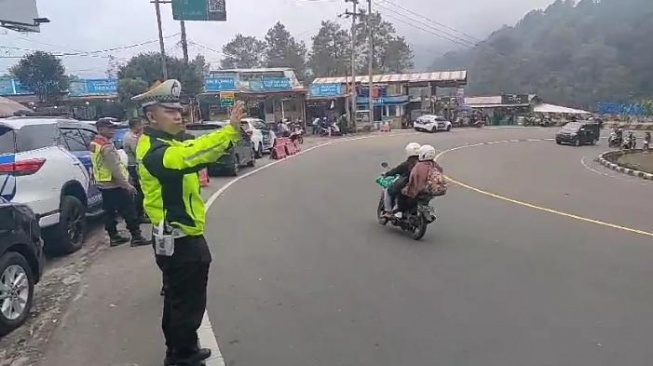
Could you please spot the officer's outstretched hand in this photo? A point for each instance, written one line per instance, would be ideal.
(237, 113)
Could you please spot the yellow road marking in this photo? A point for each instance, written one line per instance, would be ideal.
(540, 208)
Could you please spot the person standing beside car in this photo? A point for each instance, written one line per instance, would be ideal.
(130, 142)
(111, 177)
(168, 169)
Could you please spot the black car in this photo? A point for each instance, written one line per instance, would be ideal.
(21, 263)
(579, 133)
(242, 154)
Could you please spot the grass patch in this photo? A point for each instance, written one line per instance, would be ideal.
(638, 161)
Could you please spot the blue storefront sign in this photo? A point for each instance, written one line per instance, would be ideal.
(12, 87)
(399, 99)
(326, 90)
(93, 87)
(270, 84)
(219, 84)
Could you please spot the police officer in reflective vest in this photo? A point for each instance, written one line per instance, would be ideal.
(111, 178)
(168, 169)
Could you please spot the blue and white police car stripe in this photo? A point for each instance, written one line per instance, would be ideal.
(7, 182)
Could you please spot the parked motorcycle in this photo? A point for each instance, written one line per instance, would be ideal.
(415, 220)
(297, 134)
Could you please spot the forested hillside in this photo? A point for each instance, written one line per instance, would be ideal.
(576, 53)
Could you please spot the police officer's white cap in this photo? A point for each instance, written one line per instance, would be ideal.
(165, 94)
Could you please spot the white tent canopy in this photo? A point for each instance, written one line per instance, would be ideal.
(551, 108)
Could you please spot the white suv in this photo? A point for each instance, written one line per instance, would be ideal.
(45, 164)
(261, 134)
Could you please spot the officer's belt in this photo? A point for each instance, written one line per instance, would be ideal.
(176, 233)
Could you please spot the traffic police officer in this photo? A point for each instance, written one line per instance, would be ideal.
(168, 169)
(111, 178)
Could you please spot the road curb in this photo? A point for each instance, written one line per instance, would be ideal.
(604, 159)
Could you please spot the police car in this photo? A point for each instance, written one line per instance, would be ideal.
(432, 123)
(45, 164)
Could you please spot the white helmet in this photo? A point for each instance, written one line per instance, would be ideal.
(426, 153)
(412, 149)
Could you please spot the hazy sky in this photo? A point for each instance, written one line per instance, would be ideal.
(90, 25)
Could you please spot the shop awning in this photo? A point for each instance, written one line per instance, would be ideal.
(552, 108)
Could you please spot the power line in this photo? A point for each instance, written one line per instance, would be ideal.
(470, 37)
(87, 53)
(411, 23)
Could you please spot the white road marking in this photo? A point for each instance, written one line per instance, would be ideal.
(205, 332)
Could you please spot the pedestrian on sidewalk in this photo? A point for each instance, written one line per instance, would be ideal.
(111, 177)
(130, 142)
(169, 169)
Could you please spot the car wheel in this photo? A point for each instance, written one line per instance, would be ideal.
(68, 236)
(558, 142)
(235, 168)
(259, 152)
(449, 128)
(16, 291)
(577, 142)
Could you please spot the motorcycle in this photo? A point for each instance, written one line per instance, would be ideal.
(629, 143)
(297, 134)
(615, 140)
(414, 220)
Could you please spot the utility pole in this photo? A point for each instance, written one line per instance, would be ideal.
(164, 67)
(184, 42)
(371, 59)
(354, 14)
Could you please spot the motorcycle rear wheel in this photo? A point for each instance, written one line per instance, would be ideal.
(420, 229)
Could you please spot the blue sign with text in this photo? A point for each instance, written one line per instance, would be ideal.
(270, 84)
(219, 84)
(93, 87)
(326, 90)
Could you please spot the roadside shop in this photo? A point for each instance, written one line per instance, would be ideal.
(269, 94)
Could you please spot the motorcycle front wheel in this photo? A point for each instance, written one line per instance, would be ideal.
(380, 210)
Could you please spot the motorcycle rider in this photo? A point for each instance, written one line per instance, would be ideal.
(418, 178)
(403, 171)
(647, 140)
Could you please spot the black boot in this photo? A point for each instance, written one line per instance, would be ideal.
(194, 359)
(138, 241)
(116, 239)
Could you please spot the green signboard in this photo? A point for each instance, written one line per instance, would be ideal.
(202, 10)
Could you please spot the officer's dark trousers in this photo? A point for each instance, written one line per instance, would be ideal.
(136, 182)
(185, 276)
(117, 201)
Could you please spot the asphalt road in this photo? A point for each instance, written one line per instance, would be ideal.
(303, 274)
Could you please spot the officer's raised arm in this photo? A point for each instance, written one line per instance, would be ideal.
(193, 155)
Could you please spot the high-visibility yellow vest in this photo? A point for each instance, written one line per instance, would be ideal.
(101, 171)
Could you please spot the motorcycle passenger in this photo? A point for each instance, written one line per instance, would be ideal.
(403, 171)
(418, 179)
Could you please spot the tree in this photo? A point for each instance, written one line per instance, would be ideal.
(128, 88)
(331, 51)
(389, 49)
(243, 52)
(42, 73)
(284, 51)
(575, 53)
(147, 66)
(398, 56)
